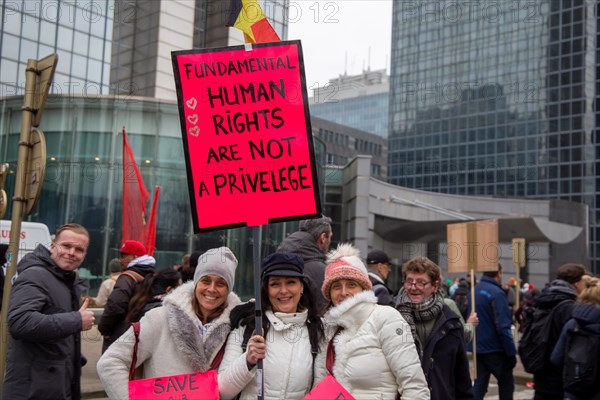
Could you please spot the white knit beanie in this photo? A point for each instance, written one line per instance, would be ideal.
(220, 262)
(345, 263)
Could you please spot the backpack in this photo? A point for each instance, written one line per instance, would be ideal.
(534, 346)
(581, 365)
(136, 276)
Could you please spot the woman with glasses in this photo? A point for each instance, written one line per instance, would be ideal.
(437, 330)
(370, 350)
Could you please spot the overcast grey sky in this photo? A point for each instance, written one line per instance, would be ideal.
(337, 36)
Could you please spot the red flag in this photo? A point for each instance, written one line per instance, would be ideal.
(151, 241)
(135, 197)
(247, 16)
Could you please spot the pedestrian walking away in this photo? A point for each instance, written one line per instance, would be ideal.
(496, 352)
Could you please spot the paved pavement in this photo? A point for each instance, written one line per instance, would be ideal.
(92, 388)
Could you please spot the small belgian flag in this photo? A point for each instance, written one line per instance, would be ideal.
(247, 16)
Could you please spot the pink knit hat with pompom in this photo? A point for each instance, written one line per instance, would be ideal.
(345, 263)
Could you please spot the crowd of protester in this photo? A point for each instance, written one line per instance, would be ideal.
(327, 314)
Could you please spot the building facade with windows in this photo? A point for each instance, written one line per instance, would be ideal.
(359, 101)
(343, 143)
(498, 100)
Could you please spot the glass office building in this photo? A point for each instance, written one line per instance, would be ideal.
(497, 99)
(358, 101)
(114, 70)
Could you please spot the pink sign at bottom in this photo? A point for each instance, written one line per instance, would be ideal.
(198, 385)
(329, 389)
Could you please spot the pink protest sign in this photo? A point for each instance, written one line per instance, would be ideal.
(199, 385)
(246, 134)
(329, 389)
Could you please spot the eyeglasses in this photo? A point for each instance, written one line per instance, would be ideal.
(418, 284)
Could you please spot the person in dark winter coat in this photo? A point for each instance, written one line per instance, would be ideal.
(461, 298)
(587, 314)
(438, 331)
(45, 321)
(496, 352)
(379, 267)
(113, 322)
(152, 292)
(311, 243)
(560, 297)
(3, 250)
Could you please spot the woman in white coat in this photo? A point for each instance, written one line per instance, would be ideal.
(187, 334)
(375, 354)
(292, 332)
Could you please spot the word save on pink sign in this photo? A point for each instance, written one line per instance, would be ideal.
(199, 385)
(246, 135)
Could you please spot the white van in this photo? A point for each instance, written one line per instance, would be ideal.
(32, 234)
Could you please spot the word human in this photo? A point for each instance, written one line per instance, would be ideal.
(242, 94)
(236, 67)
(241, 122)
(283, 179)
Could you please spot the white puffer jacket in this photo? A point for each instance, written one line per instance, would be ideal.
(287, 369)
(375, 354)
(170, 343)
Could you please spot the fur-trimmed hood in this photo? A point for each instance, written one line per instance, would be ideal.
(184, 326)
(352, 312)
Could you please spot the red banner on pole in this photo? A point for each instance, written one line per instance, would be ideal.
(135, 197)
(247, 135)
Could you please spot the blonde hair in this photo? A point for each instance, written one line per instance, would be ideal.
(591, 292)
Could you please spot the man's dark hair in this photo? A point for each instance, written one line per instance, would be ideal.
(316, 226)
(570, 272)
(493, 274)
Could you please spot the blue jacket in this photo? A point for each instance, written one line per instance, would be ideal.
(493, 332)
(444, 360)
(588, 317)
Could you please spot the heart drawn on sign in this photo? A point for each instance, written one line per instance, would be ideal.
(194, 131)
(191, 103)
(193, 119)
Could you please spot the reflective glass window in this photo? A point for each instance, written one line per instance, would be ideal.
(47, 32)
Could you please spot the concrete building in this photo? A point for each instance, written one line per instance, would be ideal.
(343, 143)
(498, 100)
(407, 222)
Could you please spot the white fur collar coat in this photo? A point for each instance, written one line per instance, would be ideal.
(170, 342)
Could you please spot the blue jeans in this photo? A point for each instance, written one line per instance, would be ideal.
(497, 364)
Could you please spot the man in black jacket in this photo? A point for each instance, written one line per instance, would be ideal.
(379, 266)
(113, 322)
(311, 243)
(566, 286)
(45, 320)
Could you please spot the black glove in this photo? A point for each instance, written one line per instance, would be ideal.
(512, 361)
